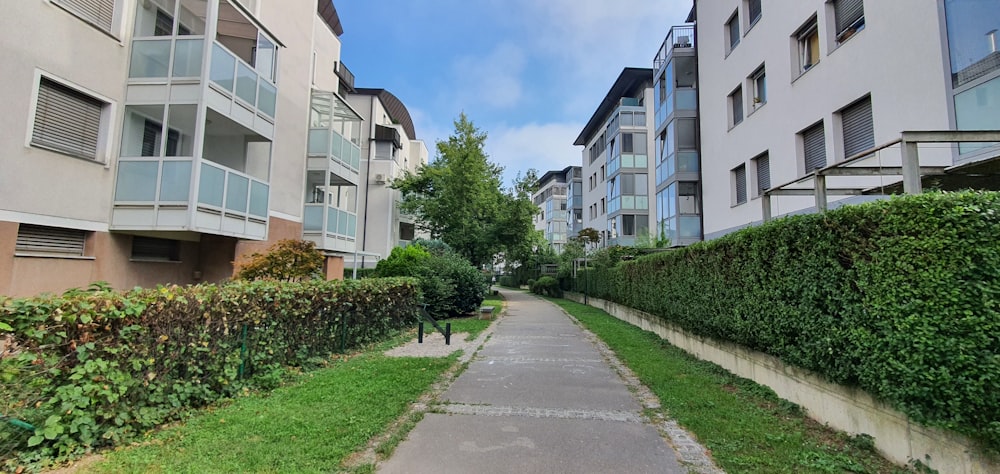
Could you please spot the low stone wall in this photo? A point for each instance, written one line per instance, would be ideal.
(845, 408)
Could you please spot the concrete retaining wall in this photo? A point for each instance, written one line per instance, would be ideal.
(844, 408)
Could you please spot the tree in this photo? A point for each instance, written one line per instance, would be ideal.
(459, 199)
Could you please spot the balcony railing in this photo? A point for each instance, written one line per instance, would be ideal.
(329, 227)
(326, 142)
(679, 99)
(679, 37)
(235, 76)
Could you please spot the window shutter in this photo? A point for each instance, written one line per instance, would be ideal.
(98, 12)
(847, 13)
(734, 31)
(763, 174)
(50, 240)
(859, 131)
(149, 248)
(741, 184)
(814, 144)
(754, 10)
(66, 120)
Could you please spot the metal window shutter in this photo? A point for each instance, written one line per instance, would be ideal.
(98, 12)
(848, 12)
(754, 9)
(859, 131)
(741, 184)
(67, 120)
(42, 239)
(150, 248)
(763, 173)
(814, 145)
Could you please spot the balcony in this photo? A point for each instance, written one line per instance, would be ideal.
(679, 37)
(334, 138)
(330, 228)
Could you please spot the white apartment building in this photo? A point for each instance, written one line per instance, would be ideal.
(789, 88)
(158, 141)
(618, 169)
(559, 197)
(389, 148)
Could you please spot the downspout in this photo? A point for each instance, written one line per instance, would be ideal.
(368, 173)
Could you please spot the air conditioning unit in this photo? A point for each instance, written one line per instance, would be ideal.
(380, 179)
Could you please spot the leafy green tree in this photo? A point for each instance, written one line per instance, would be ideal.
(459, 198)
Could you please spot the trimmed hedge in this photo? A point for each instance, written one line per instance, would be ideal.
(900, 297)
(98, 367)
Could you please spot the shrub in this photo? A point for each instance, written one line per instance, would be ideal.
(508, 281)
(93, 368)
(547, 286)
(450, 285)
(899, 297)
(287, 260)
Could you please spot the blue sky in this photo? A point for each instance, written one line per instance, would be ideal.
(528, 72)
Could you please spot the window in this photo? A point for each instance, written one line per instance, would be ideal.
(850, 17)
(736, 107)
(604, 207)
(763, 167)
(100, 13)
(814, 147)
(758, 83)
(688, 201)
(152, 131)
(808, 45)
(732, 32)
(739, 184)
(602, 173)
(49, 241)
(753, 12)
(859, 131)
(155, 250)
(972, 41)
(628, 224)
(67, 121)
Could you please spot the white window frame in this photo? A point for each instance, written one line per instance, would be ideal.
(757, 84)
(736, 98)
(108, 113)
(808, 30)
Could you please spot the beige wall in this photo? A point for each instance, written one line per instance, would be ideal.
(898, 58)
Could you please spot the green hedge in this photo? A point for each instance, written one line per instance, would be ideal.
(900, 297)
(98, 367)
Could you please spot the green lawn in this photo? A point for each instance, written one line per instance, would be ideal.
(473, 325)
(308, 426)
(747, 428)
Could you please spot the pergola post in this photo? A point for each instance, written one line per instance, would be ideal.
(765, 204)
(911, 168)
(820, 192)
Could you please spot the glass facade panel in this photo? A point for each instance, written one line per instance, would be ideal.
(973, 27)
(978, 109)
(137, 181)
(313, 218)
(175, 184)
(268, 97)
(211, 185)
(223, 68)
(149, 58)
(187, 58)
(258, 199)
(154, 18)
(332, 216)
(236, 193)
(246, 84)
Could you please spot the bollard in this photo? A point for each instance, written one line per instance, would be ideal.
(447, 334)
(420, 333)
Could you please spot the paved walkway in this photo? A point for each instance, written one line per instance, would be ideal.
(538, 398)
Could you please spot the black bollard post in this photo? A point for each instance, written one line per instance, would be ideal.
(447, 334)
(420, 333)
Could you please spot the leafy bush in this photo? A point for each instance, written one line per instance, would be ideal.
(508, 281)
(450, 285)
(98, 367)
(547, 286)
(900, 297)
(287, 260)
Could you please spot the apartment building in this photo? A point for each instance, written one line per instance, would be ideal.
(389, 148)
(560, 210)
(159, 141)
(806, 103)
(616, 160)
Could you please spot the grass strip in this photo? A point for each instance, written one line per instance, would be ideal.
(473, 325)
(309, 426)
(745, 426)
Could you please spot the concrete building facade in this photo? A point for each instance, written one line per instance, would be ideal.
(160, 141)
(559, 197)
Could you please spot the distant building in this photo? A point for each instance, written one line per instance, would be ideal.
(558, 207)
(618, 170)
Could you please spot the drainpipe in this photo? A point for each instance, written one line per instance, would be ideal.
(368, 174)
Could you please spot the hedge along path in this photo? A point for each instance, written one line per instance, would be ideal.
(103, 367)
(900, 297)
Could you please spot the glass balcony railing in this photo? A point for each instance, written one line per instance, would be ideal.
(679, 37)
(152, 180)
(321, 218)
(234, 76)
(326, 142)
(232, 192)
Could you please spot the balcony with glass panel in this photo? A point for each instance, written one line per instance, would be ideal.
(329, 219)
(164, 182)
(334, 138)
(171, 40)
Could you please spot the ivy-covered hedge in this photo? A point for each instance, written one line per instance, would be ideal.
(900, 297)
(97, 367)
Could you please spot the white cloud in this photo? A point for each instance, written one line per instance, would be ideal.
(545, 147)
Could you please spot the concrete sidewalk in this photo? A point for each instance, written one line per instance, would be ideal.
(538, 398)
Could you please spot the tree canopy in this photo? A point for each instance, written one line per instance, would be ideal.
(459, 198)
